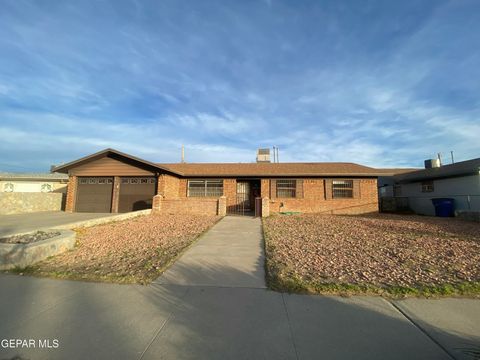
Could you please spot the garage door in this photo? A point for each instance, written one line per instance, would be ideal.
(136, 193)
(94, 194)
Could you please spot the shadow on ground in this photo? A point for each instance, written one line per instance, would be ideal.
(206, 322)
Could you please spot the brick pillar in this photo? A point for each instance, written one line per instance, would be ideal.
(157, 204)
(161, 184)
(230, 191)
(222, 206)
(265, 188)
(71, 194)
(265, 207)
(115, 194)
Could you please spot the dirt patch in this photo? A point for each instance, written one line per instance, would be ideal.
(29, 238)
(135, 250)
(395, 252)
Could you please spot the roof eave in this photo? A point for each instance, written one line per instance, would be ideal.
(65, 167)
(374, 175)
(418, 178)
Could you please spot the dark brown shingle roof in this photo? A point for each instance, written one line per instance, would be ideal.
(272, 169)
(396, 171)
(299, 169)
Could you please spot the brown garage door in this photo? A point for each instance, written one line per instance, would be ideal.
(136, 193)
(94, 194)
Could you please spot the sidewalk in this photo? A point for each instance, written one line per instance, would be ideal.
(231, 254)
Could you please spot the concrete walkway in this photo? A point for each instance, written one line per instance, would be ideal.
(229, 255)
(22, 223)
(220, 310)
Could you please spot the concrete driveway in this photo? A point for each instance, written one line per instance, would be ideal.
(214, 306)
(22, 223)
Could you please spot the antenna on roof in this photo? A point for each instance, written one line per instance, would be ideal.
(183, 154)
(451, 154)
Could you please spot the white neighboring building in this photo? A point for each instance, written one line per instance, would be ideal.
(33, 182)
(459, 181)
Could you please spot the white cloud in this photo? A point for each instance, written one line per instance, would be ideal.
(228, 80)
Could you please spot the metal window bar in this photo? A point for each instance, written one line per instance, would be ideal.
(286, 188)
(243, 204)
(427, 186)
(342, 188)
(214, 188)
(205, 188)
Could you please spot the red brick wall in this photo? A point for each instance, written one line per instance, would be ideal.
(265, 188)
(314, 199)
(71, 194)
(230, 191)
(202, 206)
(182, 188)
(168, 186)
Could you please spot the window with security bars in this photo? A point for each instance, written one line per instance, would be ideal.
(286, 188)
(205, 188)
(427, 186)
(342, 189)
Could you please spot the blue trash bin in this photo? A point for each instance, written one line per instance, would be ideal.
(443, 207)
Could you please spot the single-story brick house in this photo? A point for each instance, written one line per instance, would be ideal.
(112, 181)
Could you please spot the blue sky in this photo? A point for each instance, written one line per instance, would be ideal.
(381, 83)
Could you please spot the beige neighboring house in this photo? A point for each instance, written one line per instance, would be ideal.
(33, 182)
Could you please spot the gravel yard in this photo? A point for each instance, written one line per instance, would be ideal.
(135, 250)
(396, 254)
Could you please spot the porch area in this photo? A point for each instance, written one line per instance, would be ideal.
(241, 197)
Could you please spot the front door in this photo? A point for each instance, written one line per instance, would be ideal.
(243, 195)
(244, 203)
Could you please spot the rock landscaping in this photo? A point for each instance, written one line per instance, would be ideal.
(132, 251)
(386, 254)
(29, 238)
